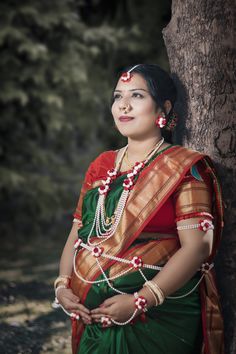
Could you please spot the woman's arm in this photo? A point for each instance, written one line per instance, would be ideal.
(66, 261)
(195, 248)
(66, 298)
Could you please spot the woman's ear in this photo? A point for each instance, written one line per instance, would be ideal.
(167, 106)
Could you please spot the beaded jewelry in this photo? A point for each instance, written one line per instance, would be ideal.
(203, 225)
(152, 292)
(126, 76)
(65, 279)
(161, 120)
(157, 291)
(172, 121)
(105, 321)
(78, 221)
(140, 304)
(104, 229)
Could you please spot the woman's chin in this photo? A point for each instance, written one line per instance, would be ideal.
(132, 135)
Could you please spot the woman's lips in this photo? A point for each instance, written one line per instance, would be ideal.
(125, 118)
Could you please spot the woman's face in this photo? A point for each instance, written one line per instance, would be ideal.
(134, 111)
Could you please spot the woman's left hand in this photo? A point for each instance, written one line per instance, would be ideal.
(119, 307)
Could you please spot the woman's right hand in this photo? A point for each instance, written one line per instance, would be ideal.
(71, 303)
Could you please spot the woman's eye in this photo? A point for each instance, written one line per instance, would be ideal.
(137, 94)
(115, 97)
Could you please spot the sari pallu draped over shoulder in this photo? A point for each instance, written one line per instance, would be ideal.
(154, 186)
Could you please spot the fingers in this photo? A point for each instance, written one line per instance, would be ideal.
(108, 302)
(96, 314)
(101, 311)
(86, 320)
(77, 307)
(69, 295)
(75, 298)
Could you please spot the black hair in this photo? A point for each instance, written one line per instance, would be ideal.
(161, 88)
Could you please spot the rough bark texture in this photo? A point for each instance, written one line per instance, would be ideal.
(200, 45)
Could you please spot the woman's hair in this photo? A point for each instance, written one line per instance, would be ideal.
(161, 88)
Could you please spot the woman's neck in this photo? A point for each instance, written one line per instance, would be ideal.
(140, 148)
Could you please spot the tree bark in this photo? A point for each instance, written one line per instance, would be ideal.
(200, 46)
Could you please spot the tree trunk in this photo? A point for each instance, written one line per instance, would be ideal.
(200, 47)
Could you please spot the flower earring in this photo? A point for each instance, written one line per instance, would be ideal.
(161, 120)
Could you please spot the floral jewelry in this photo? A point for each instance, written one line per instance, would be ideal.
(103, 226)
(203, 225)
(126, 76)
(105, 321)
(161, 120)
(140, 303)
(172, 121)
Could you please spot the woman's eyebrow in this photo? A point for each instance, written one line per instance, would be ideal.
(132, 90)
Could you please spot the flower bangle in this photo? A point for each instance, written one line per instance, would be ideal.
(203, 225)
(140, 302)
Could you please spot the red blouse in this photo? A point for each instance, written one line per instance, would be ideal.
(192, 197)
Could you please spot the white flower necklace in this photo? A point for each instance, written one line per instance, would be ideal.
(103, 226)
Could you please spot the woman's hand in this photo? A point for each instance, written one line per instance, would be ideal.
(71, 303)
(119, 307)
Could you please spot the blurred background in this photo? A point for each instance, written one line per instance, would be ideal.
(59, 61)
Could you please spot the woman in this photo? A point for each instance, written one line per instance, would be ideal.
(147, 227)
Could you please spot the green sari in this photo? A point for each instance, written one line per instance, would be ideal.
(177, 324)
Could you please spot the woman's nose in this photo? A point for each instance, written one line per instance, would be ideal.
(125, 106)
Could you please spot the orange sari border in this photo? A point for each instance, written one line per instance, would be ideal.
(155, 184)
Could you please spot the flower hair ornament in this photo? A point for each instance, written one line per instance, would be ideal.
(126, 76)
(172, 121)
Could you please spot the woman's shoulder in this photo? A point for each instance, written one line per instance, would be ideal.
(102, 162)
(182, 154)
(199, 163)
(187, 150)
(108, 154)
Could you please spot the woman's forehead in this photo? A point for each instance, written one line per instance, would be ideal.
(136, 82)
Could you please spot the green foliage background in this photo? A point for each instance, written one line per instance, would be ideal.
(59, 61)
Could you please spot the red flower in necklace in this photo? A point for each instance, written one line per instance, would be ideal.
(128, 184)
(139, 165)
(103, 189)
(107, 181)
(112, 173)
(97, 251)
(137, 262)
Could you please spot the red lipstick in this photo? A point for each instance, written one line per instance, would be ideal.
(125, 118)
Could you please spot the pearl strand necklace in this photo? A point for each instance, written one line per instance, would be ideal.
(110, 228)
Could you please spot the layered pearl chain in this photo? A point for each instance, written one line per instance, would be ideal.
(105, 229)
